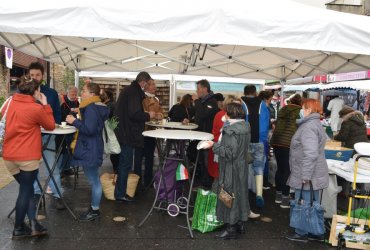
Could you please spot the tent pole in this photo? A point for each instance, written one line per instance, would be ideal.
(358, 100)
(282, 83)
(77, 79)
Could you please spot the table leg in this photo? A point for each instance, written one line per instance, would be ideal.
(189, 196)
(50, 177)
(167, 148)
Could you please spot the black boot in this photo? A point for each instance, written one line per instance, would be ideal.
(229, 233)
(90, 215)
(240, 227)
(37, 229)
(21, 231)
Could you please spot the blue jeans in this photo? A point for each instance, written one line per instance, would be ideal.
(25, 202)
(306, 196)
(92, 175)
(124, 167)
(259, 157)
(50, 157)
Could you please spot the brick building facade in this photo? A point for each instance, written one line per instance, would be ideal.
(60, 77)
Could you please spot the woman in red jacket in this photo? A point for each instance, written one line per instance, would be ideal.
(25, 112)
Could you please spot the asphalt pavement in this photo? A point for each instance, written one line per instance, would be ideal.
(159, 232)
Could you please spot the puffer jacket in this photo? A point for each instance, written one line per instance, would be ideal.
(353, 129)
(307, 155)
(286, 125)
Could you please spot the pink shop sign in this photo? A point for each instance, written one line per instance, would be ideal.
(348, 76)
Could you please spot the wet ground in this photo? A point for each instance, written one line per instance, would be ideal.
(159, 232)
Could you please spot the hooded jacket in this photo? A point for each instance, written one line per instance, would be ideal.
(307, 155)
(90, 146)
(353, 129)
(286, 125)
(22, 140)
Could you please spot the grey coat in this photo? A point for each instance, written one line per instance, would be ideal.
(232, 151)
(307, 155)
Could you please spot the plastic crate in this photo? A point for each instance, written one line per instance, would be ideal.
(338, 153)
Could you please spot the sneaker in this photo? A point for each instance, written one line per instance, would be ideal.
(285, 202)
(318, 238)
(297, 237)
(278, 197)
(266, 187)
(259, 201)
(253, 215)
(90, 215)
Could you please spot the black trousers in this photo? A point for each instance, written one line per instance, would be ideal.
(283, 169)
(148, 153)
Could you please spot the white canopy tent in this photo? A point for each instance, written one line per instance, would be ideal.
(247, 39)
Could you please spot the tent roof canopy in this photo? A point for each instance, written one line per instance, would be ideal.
(245, 39)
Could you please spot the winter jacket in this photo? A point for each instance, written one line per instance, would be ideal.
(66, 107)
(232, 151)
(205, 111)
(152, 104)
(286, 125)
(179, 112)
(307, 155)
(90, 146)
(53, 100)
(131, 116)
(353, 129)
(258, 116)
(216, 131)
(22, 140)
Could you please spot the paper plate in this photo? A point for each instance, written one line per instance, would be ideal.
(119, 219)
(266, 219)
(41, 217)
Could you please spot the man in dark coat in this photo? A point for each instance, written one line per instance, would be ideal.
(132, 118)
(205, 110)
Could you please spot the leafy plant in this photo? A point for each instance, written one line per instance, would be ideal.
(2, 100)
(113, 122)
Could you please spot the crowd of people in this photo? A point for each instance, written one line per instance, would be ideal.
(244, 129)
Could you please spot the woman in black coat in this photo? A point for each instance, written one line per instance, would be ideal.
(183, 111)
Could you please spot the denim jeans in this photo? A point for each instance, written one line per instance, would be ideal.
(259, 157)
(25, 203)
(306, 196)
(50, 157)
(65, 158)
(124, 167)
(92, 175)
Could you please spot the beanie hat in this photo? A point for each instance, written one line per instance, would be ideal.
(345, 110)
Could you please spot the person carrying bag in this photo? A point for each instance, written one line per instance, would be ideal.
(307, 216)
(308, 174)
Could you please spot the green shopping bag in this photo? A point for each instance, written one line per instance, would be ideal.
(204, 216)
(361, 213)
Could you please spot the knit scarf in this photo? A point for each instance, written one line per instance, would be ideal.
(84, 103)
